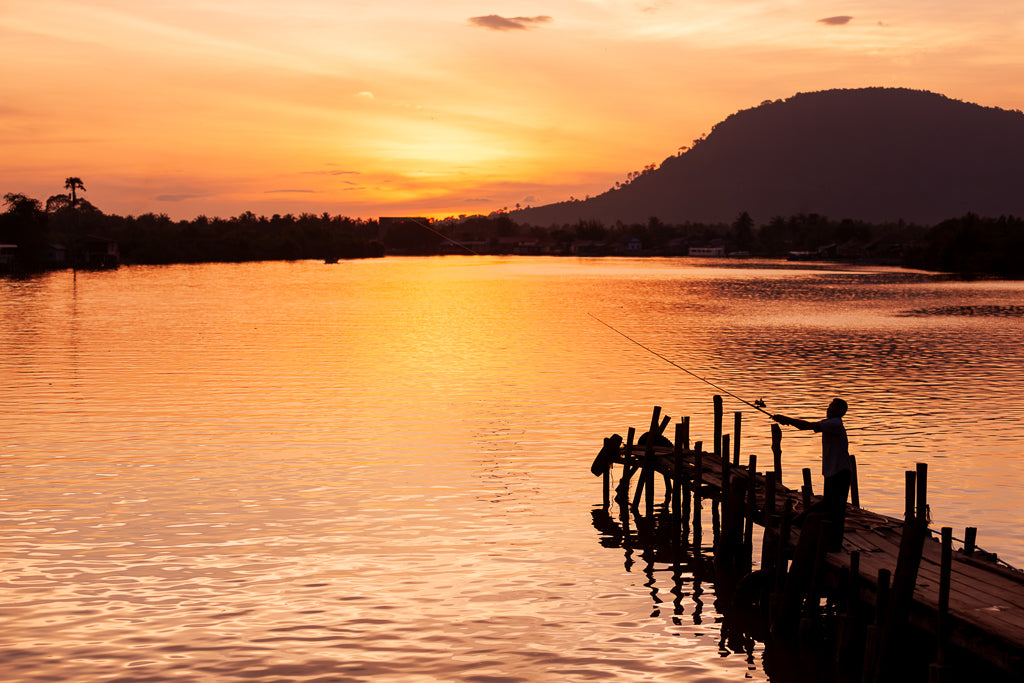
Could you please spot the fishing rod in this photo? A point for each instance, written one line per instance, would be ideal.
(757, 405)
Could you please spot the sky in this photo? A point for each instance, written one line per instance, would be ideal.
(367, 108)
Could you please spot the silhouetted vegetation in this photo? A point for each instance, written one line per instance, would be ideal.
(972, 244)
(51, 237)
(47, 237)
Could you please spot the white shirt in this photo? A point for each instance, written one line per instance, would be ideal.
(835, 448)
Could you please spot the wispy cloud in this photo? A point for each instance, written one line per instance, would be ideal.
(840, 20)
(179, 197)
(499, 23)
(289, 191)
(331, 172)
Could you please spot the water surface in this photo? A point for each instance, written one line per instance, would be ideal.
(380, 469)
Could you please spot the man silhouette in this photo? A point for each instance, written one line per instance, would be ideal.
(836, 466)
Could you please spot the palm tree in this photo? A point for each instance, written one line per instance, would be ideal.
(71, 184)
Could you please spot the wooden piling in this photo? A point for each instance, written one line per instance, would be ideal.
(737, 428)
(811, 606)
(807, 490)
(781, 558)
(677, 484)
(726, 468)
(970, 540)
(685, 489)
(769, 495)
(646, 481)
(939, 672)
(657, 428)
(873, 634)
(845, 640)
(791, 601)
(904, 580)
(777, 450)
(718, 425)
(751, 509)
(730, 537)
(910, 488)
(922, 491)
(609, 451)
(854, 483)
(698, 478)
(622, 494)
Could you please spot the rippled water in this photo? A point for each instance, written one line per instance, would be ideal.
(380, 469)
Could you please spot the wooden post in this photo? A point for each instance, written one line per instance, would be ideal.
(777, 449)
(853, 588)
(769, 496)
(606, 484)
(873, 635)
(657, 427)
(922, 491)
(622, 494)
(718, 425)
(604, 462)
(748, 528)
(737, 427)
(970, 540)
(909, 489)
(854, 483)
(726, 468)
(677, 485)
(848, 622)
(647, 464)
(807, 490)
(685, 425)
(904, 580)
(939, 671)
(811, 605)
(698, 479)
(731, 536)
(800, 572)
(785, 527)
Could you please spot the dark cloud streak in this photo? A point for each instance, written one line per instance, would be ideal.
(840, 20)
(498, 23)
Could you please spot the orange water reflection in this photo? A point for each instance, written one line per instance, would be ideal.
(378, 469)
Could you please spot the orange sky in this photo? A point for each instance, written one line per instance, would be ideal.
(401, 107)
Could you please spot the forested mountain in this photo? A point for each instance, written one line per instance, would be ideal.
(875, 154)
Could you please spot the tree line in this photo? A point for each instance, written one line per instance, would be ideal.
(967, 244)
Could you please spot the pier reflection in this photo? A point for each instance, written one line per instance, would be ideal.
(704, 595)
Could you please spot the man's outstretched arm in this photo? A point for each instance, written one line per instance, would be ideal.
(793, 422)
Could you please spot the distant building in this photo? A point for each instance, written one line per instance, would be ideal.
(706, 251)
(57, 255)
(8, 253)
(627, 246)
(96, 252)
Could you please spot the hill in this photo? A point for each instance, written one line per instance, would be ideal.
(874, 154)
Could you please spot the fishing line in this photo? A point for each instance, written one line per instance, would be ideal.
(757, 405)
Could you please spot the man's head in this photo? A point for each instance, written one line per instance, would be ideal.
(837, 408)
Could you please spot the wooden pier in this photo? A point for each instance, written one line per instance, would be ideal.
(886, 578)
